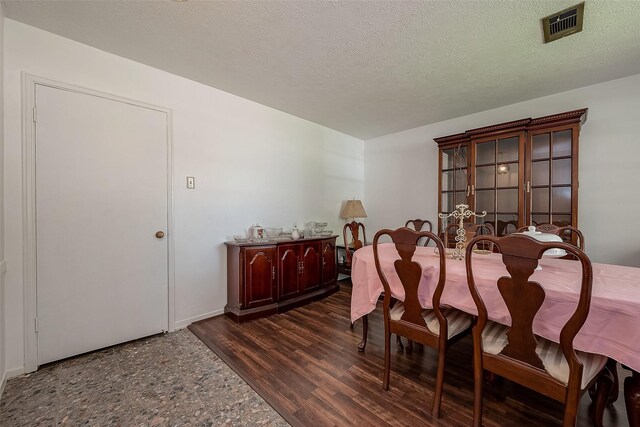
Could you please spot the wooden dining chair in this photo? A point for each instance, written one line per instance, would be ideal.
(555, 370)
(448, 236)
(436, 327)
(352, 230)
(471, 231)
(418, 225)
(504, 228)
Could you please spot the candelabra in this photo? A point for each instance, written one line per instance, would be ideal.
(461, 213)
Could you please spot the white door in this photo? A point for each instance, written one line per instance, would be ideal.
(101, 196)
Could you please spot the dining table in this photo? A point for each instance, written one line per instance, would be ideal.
(612, 327)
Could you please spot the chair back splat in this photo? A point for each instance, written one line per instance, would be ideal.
(409, 273)
(418, 224)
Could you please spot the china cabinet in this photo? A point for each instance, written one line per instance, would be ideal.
(523, 172)
(271, 277)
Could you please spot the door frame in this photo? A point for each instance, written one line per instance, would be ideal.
(29, 82)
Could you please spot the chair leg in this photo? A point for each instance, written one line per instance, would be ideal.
(399, 342)
(409, 347)
(613, 368)
(365, 333)
(570, 415)
(603, 387)
(387, 360)
(570, 419)
(477, 395)
(613, 396)
(632, 398)
(437, 399)
(490, 378)
(571, 410)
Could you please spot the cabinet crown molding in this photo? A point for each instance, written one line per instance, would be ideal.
(574, 116)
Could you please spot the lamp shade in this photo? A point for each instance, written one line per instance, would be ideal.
(353, 209)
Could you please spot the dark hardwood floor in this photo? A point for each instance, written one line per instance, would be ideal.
(305, 364)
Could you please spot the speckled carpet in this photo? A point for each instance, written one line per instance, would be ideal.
(165, 380)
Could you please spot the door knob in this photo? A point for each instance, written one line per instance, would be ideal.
(160, 234)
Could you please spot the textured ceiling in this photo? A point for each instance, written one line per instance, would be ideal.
(363, 68)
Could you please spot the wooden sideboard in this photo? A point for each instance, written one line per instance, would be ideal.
(271, 277)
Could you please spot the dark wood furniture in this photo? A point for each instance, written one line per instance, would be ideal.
(520, 172)
(436, 328)
(555, 370)
(471, 230)
(418, 224)
(267, 278)
(632, 398)
(341, 260)
(352, 242)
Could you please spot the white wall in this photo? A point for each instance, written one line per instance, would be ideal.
(401, 177)
(3, 370)
(251, 163)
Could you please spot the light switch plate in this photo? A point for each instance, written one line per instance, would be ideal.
(191, 182)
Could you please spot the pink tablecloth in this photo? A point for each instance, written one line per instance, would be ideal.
(612, 328)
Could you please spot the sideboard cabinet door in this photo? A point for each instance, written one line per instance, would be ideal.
(289, 269)
(260, 276)
(311, 266)
(329, 272)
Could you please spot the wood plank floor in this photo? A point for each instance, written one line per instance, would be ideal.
(305, 364)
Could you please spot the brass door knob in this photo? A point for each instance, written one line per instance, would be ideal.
(160, 234)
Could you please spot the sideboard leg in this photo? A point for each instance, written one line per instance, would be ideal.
(632, 398)
(365, 333)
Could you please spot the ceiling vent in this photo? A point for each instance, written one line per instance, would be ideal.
(563, 23)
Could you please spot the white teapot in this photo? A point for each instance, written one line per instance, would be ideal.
(257, 232)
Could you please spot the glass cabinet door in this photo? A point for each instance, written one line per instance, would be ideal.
(551, 196)
(454, 180)
(497, 181)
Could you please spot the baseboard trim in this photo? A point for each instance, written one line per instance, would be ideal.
(12, 373)
(3, 270)
(7, 375)
(2, 384)
(181, 324)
